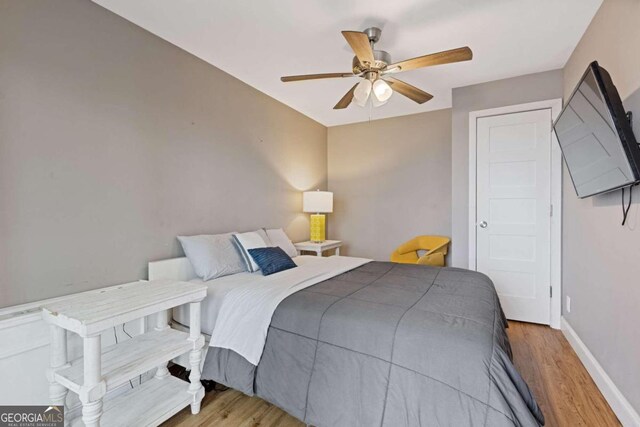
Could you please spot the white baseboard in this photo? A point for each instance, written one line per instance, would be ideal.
(620, 405)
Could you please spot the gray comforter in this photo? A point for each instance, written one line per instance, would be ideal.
(388, 344)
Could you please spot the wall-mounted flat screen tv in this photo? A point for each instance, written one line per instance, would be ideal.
(596, 138)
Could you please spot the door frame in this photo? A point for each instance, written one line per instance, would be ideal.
(555, 105)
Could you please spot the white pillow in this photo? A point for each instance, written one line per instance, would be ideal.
(213, 255)
(263, 233)
(246, 241)
(278, 237)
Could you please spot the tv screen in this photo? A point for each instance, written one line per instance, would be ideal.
(596, 138)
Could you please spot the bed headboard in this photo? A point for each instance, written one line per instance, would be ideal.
(173, 269)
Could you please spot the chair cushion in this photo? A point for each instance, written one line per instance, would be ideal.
(409, 252)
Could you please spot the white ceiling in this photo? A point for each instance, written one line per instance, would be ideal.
(259, 41)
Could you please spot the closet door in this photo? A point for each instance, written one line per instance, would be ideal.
(513, 228)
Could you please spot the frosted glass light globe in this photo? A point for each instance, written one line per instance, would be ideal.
(361, 94)
(382, 90)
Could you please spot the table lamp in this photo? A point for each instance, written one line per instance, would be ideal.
(317, 203)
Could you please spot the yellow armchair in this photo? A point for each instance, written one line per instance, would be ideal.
(436, 247)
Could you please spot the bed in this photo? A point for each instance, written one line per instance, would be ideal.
(364, 343)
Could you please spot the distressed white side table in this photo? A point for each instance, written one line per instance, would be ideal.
(101, 370)
(319, 247)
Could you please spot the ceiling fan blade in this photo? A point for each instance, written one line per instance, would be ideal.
(411, 92)
(360, 45)
(446, 57)
(346, 99)
(315, 76)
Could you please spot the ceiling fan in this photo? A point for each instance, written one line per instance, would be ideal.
(375, 68)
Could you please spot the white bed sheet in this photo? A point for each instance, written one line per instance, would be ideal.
(218, 289)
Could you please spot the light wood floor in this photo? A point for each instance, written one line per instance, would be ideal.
(563, 388)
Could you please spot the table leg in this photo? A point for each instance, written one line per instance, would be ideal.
(162, 323)
(58, 360)
(338, 251)
(319, 252)
(195, 357)
(93, 388)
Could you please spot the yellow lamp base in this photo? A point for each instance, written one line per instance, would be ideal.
(317, 228)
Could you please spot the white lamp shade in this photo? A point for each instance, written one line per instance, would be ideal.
(382, 91)
(317, 201)
(361, 93)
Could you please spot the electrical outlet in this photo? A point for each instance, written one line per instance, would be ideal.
(568, 304)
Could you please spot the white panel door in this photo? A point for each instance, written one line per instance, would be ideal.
(513, 200)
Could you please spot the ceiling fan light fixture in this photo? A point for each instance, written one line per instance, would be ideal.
(371, 64)
(362, 92)
(382, 91)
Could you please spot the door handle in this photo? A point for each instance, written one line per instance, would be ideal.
(483, 224)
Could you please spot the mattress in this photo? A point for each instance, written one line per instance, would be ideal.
(218, 288)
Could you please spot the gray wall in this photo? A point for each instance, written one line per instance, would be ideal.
(113, 141)
(601, 259)
(391, 180)
(500, 93)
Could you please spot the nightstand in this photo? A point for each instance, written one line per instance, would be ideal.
(100, 370)
(319, 248)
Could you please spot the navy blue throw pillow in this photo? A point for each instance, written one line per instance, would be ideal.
(271, 260)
